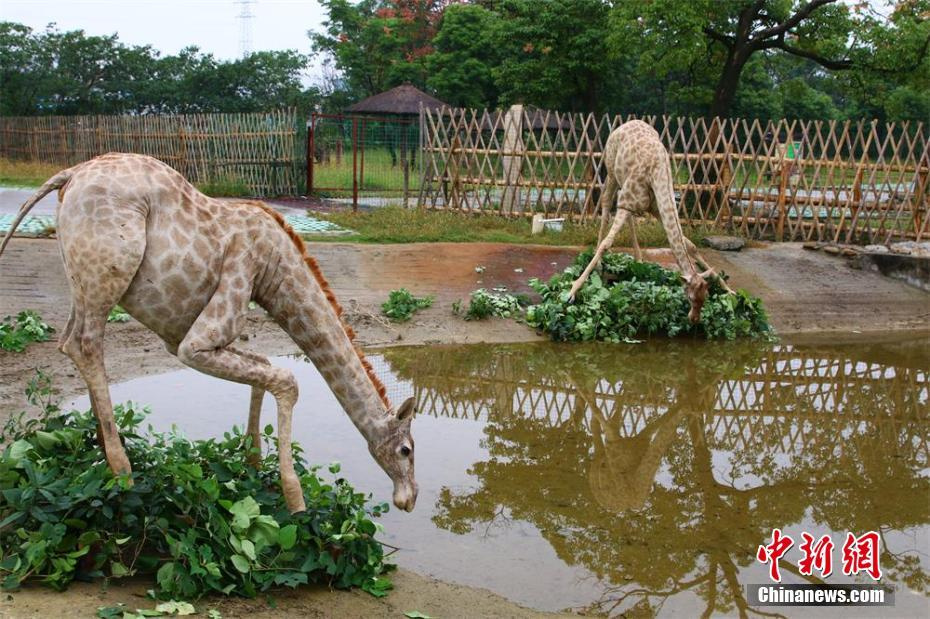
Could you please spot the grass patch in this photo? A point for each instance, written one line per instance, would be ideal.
(401, 305)
(198, 517)
(225, 187)
(379, 173)
(26, 173)
(395, 224)
(497, 302)
(27, 327)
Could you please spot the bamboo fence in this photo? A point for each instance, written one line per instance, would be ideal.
(781, 402)
(793, 180)
(260, 150)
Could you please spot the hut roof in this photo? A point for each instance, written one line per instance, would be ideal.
(404, 99)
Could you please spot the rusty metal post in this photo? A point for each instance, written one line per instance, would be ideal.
(355, 165)
(310, 153)
(361, 165)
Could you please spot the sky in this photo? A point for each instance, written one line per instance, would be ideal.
(170, 25)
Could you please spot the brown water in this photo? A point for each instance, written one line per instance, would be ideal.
(630, 478)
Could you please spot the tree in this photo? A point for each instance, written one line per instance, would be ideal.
(838, 37)
(378, 44)
(555, 54)
(465, 54)
(53, 72)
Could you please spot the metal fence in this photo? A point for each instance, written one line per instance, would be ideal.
(264, 151)
(364, 156)
(788, 180)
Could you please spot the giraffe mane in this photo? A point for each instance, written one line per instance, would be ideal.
(324, 286)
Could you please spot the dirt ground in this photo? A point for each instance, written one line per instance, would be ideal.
(805, 292)
(412, 592)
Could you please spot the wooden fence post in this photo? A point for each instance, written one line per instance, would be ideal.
(513, 143)
(782, 209)
(921, 203)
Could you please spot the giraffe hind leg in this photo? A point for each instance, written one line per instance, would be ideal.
(100, 267)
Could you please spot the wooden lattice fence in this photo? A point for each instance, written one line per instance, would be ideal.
(845, 181)
(261, 150)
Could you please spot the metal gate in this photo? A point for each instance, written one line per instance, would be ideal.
(373, 160)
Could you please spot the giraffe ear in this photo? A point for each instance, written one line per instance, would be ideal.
(407, 409)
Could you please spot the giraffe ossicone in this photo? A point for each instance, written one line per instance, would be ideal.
(133, 231)
(639, 169)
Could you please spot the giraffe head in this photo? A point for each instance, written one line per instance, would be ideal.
(696, 289)
(394, 452)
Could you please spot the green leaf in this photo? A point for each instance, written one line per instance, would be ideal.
(173, 607)
(241, 563)
(415, 614)
(248, 549)
(287, 536)
(165, 575)
(118, 570)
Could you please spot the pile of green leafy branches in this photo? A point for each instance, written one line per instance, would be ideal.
(496, 302)
(625, 298)
(27, 327)
(198, 516)
(118, 314)
(401, 305)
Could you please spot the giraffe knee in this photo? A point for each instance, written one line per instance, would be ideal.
(284, 387)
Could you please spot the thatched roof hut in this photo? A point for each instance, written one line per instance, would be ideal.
(404, 100)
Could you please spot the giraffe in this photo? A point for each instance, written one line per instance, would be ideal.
(133, 231)
(638, 166)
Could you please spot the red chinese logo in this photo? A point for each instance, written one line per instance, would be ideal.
(773, 552)
(860, 554)
(817, 555)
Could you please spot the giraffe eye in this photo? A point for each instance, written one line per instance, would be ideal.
(405, 451)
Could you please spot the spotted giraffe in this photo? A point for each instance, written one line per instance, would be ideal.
(638, 167)
(133, 231)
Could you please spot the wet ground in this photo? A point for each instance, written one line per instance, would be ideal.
(629, 479)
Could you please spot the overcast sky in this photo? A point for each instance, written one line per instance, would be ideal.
(169, 25)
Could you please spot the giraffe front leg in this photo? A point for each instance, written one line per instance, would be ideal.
(621, 217)
(708, 270)
(255, 410)
(206, 349)
(627, 201)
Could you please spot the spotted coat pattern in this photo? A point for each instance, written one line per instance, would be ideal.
(133, 231)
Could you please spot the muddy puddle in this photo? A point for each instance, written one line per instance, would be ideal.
(628, 478)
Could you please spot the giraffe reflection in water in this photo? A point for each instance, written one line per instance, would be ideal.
(660, 468)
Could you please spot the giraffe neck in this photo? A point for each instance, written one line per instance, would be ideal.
(668, 213)
(301, 308)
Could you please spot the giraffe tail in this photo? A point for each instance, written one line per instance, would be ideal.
(56, 182)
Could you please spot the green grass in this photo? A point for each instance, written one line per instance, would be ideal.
(394, 224)
(26, 173)
(378, 173)
(225, 187)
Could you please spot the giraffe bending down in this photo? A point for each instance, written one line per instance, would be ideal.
(133, 231)
(638, 167)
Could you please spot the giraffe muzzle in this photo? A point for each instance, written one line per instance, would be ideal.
(405, 496)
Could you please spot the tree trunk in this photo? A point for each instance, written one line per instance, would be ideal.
(729, 82)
